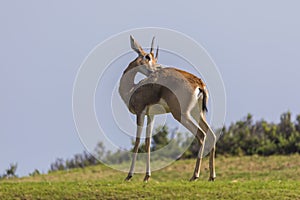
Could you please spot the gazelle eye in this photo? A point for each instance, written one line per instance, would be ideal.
(148, 57)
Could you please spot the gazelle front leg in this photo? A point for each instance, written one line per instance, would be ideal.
(149, 129)
(139, 129)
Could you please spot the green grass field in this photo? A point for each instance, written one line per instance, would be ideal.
(274, 177)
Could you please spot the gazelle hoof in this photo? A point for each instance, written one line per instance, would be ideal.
(194, 178)
(211, 178)
(128, 177)
(146, 179)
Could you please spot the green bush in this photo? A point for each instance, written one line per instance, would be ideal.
(244, 137)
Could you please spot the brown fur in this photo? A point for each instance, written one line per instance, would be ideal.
(194, 80)
(168, 84)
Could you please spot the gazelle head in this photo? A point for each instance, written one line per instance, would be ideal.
(146, 62)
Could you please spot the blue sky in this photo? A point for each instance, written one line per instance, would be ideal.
(255, 45)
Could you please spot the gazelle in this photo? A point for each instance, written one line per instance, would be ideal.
(165, 90)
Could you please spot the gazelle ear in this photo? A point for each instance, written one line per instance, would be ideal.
(136, 47)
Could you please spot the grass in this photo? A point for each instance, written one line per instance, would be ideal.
(274, 177)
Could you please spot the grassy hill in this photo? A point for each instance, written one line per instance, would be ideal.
(274, 177)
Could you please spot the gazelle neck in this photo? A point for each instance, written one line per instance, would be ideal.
(127, 84)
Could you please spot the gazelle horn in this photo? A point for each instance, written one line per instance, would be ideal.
(152, 45)
(156, 55)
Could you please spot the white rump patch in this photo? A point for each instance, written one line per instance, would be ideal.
(198, 93)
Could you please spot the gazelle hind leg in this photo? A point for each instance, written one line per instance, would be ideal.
(211, 137)
(200, 136)
(139, 129)
(212, 171)
(149, 129)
